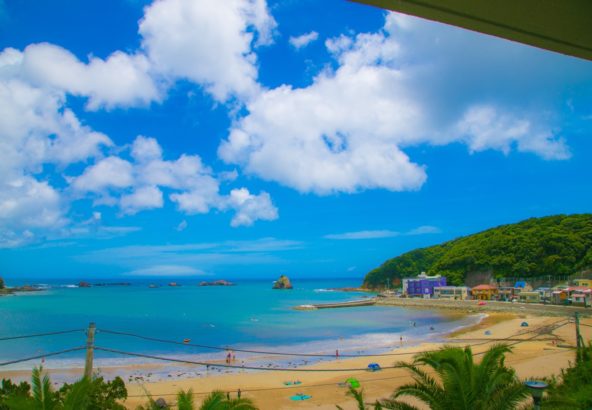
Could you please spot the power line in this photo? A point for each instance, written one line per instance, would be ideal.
(224, 348)
(309, 386)
(41, 356)
(62, 332)
(232, 366)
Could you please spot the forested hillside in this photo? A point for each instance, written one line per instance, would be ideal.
(553, 245)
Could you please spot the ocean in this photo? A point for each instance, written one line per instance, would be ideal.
(249, 316)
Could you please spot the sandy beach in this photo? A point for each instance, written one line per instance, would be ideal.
(538, 351)
(541, 349)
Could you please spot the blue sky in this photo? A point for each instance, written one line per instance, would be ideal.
(249, 138)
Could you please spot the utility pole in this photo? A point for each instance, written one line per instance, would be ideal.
(579, 340)
(90, 347)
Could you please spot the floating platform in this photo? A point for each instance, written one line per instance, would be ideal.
(353, 303)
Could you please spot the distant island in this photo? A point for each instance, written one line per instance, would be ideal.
(552, 246)
(282, 283)
(220, 282)
(5, 290)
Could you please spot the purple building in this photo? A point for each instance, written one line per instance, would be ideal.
(423, 285)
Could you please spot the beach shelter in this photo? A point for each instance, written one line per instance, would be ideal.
(524, 324)
(374, 367)
(488, 333)
(353, 382)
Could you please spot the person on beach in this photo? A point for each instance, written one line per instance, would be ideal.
(337, 353)
(228, 356)
(401, 340)
(238, 393)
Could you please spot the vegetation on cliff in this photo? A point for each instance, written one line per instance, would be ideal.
(282, 283)
(550, 246)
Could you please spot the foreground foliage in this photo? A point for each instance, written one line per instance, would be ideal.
(551, 246)
(85, 394)
(460, 383)
(574, 391)
(216, 400)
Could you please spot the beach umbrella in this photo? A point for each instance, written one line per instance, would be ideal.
(524, 324)
(353, 382)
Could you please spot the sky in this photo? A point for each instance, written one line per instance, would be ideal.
(252, 138)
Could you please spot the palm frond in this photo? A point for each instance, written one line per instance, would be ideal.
(185, 400)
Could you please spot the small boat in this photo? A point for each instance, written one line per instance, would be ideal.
(186, 340)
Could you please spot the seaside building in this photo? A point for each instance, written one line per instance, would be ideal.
(583, 282)
(529, 297)
(582, 298)
(422, 285)
(485, 292)
(451, 292)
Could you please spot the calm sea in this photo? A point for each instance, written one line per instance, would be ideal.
(249, 315)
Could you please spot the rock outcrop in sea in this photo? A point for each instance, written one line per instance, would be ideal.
(282, 283)
(220, 282)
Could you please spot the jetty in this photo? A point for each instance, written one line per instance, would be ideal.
(352, 303)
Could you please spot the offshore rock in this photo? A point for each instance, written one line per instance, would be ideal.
(282, 283)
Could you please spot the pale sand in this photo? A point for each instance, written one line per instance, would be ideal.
(530, 359)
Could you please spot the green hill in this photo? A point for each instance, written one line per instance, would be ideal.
(554, 245)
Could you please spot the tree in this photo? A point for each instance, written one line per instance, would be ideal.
(575, 389)
(358, 396)
(185, 400)
(2, 283)
(462, 384)
(217, 400)
(85, 394)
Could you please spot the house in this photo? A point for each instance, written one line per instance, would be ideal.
(451, 292)
(507, 294)
(422, 285)
(560, 297)
(545, 294)
(529, 297)
(582, 298)
(583, 282)
(485, 292)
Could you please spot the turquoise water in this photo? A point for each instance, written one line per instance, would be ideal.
(249, 315)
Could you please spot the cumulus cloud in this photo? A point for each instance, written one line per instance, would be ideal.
(138, 185)
(208, 42)
(250, 208)
(110, 172)
(120, 80)
(303, 40)
(36, 130)
(349, 129)
(146, 197)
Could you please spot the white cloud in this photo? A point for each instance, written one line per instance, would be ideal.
(110, 172)
(36, 130)
(348, 130)
(250, 208)
(182, 226)
(120, 80)
(142, 198)
(136, 186)
(303, 40)
(378, 234)
(483, 127)
(208, 42)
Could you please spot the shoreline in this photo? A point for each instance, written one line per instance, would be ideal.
(537, 358)
(542, 357)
